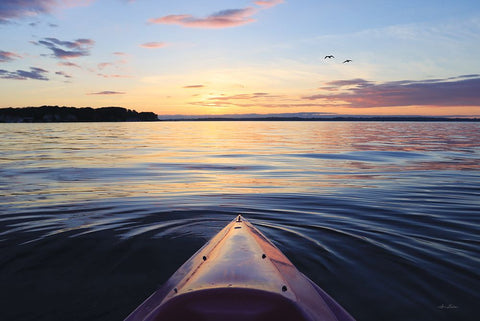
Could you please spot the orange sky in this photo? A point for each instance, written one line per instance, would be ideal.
(274, 56)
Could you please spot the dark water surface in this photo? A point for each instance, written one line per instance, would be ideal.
(383, 216)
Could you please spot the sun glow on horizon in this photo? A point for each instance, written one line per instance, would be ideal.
(262, 57)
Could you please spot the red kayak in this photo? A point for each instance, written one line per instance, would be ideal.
(239, 275)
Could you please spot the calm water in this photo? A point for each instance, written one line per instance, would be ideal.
(383, 216)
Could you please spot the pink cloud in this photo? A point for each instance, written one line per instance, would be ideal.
(6, 56)
(102, 65)
(222, 19)
(268, 3)
(12, 9)
(113, 76)
(153, 45)
(254, 96)
(108, 92)
(69, 64)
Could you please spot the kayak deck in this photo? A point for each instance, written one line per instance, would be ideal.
(239, 275)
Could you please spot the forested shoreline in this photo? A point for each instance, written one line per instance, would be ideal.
(50, 114)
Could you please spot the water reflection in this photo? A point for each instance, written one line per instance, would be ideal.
(384, 216)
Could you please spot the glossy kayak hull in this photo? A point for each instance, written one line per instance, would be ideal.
(239, 275)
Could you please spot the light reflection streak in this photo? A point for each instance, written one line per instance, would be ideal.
(65, 163)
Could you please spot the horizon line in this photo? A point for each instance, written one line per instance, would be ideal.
(299, 115)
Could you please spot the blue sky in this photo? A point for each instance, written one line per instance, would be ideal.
(235, 57)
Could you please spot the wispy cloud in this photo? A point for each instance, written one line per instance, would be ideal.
(38, 23)
(10, 9)
(13, 9)
(358, 82)
(113, 76)
(153, 45)
(103, 65)
(34, 73)
(61, 73)
(258, 100)
(268, 3)
(222, 19)
(6, 56)
(254, 96)
(108, 92)
(68, 64)
(67, 49)
(116, 66)
(245, 102)
(360, 93)
(193, 86)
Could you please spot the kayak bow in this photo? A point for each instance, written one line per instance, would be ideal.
(239, 275)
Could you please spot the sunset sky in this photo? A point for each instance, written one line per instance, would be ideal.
(240, 57)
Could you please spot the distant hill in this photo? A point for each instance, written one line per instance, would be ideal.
(50, 114)
(329, 119)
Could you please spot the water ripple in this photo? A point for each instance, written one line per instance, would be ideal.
(384, 217)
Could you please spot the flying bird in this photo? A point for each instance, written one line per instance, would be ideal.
(329, 57)
(348, 60)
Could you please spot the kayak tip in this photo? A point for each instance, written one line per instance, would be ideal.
(239, 275)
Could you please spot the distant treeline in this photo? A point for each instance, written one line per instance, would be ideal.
(339, 119)
(49, 114)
